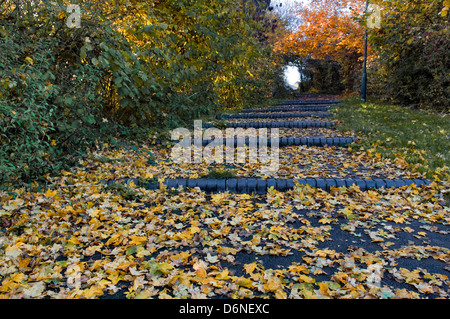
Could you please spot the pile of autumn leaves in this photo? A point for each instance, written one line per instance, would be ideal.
(81, 239)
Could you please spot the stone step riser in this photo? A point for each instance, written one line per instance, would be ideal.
(260, 186)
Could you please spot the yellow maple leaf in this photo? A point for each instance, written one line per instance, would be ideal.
(325, 220)
(115, 277)
(19, 277)
(217, 198)
(183, 256)
(399, 219)
(250, 268)
(50, 193)
(273, 284)
(224, 275)
(93, 291)
(256, 239)
(114, 239)
(93, 212)
(137, 240)
(280, 294)
(164, 295)
(180, 279)
(422, 233)
(194, 229)
(74, 240)
(244, 282)
(146, 294)
(318, 271)
(323, 289)
(298, 269)
(91, 250)
(227, 250)
(306, 279)
(94, 223)
(410, 276)
(347, 212)
(200, 269)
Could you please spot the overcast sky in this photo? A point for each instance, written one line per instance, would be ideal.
(282, 7)
(287, 3)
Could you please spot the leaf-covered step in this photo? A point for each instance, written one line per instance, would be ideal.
(260, 186)
(272, 115)
(281, 142)
(315, 102)
(306, 108)
(278, 124)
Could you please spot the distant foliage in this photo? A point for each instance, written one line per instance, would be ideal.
(408, 56)
(327, 39)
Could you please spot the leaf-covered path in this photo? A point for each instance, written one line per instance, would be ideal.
(80, 238)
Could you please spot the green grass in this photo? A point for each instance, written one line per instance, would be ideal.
(219, 174)
(420, 137)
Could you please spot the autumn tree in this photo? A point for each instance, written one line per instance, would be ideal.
(329, 31)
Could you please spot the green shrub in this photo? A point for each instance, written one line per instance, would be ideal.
(133, 67)
(53, 101)
(412, 49)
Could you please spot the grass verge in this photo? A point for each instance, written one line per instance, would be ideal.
(421, 138)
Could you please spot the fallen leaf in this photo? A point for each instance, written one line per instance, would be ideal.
(35, 290)
(244, 282)
(212, 259)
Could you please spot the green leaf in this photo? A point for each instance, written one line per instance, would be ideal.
(333, 285)
(83, 53)
(5, 213)
(68, 101)
(134, 249)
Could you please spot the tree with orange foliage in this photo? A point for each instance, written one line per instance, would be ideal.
(329, 30)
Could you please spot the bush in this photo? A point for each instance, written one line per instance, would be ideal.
(412, 49)
(132, 67)
(56, 97)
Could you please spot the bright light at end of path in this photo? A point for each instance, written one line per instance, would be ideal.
(292, 75)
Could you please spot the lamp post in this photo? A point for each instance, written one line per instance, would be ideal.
(364, 75)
